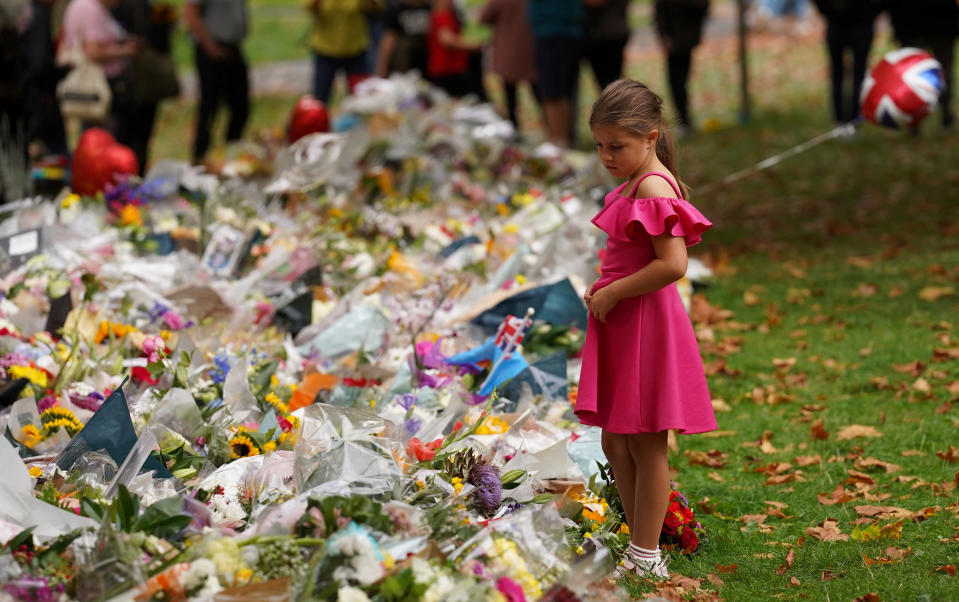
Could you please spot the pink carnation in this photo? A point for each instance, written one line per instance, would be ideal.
(174, 320)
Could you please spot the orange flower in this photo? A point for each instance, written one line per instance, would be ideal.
(130, 216)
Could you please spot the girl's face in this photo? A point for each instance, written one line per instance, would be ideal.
(623, 153)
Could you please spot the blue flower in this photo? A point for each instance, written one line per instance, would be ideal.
(221, 367)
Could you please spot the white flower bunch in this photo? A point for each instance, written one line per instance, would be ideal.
(200, 579)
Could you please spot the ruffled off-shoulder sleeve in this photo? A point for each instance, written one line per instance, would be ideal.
(655, 216)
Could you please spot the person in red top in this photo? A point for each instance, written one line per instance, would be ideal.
(448, 61)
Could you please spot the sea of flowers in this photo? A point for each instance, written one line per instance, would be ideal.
(238, 386)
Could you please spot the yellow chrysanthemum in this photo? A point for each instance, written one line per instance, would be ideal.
(242, 446)
(105, 329)
(274, 381)
(287, 439)
(36, 472)
(623, 529)
(34, 375)
(274, 400)
(269, 446)
(243, 576)
(457, 483)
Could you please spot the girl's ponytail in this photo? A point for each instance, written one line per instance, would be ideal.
(666, 152)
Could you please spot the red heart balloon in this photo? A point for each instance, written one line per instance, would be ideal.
(309, 117)
(87, 161)
(120, 160)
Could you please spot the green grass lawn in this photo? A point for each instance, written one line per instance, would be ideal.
(840, 270)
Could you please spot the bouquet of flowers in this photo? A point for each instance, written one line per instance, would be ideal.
(681, 530)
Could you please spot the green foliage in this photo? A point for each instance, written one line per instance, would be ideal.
(401, 587)
(164, 518)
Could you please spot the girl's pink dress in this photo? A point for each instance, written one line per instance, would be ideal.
(641, 369)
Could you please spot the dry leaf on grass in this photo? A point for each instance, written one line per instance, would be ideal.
(866, 289)
(828, 530)
(854, 431)
(934, 293)
(714, 580)
(870, 597)
(720, 405)
(829, 576)
(729, 568)
(786, 478)
(712, 458)
(882, 512)
(817, 430)
(839, 495)
(793, 582)
(950, 455)
(915, 368)
(790, 558)
(867, 463)
(808, 460)
(922, 385)
(911, 452)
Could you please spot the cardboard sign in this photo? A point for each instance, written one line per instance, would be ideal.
(16, 249)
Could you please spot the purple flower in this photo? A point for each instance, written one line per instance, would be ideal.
(157, 311)
(407, 401)
(489, 487)
(91, 402)
(46, 403)
(413, 425)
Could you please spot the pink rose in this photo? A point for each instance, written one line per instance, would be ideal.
(174, 320)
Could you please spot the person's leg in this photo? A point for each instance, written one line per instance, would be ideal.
(649, 454)
(138, 131)
(834, 45)
(616, 448)
(206, 71)
(554, 85)
(238, 95)
(324, 73)
(861, 42)
(678, 62)
(509, 88)
(606, 59)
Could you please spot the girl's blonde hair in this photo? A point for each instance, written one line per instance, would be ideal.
(632, 106)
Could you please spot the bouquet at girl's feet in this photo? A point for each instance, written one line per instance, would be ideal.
(681, 530)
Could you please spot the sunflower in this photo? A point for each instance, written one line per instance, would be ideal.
(31, 435)
(60, 417)
(242, 446)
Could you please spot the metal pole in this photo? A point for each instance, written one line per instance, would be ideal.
(744, 109)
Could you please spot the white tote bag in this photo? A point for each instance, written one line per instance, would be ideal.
(85, 92)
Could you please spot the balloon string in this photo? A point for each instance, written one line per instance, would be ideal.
(846, 129)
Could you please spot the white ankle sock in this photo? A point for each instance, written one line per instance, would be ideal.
(643, 553)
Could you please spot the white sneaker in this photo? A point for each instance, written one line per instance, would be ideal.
(648, 569)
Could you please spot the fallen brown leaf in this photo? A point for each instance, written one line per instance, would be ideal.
(750, 298)
(720, 405)
(773, 468)
(866, 289)
(882, 512)
(934, 293)
(716, 476)
(828, 530)
(784, 363)
(714, 580)
(818, 431)
(950, 455)
(729, 568)
(785, 478)
(854, 431)
(949, 569)
(712, 458)
(922, 385)
(860, 262)
(808, 460)
(839, 495)
(880, 382)
(915, 368)
(870, 597)
(829, 576)
(911, 452)
(793, 581)
(867, 463)
(856, 477)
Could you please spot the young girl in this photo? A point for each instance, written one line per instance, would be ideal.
(642, 374)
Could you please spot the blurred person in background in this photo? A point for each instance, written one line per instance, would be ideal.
(44, 121)
(934, 26)
(340, 39)
(512, 49)
(557, 46)
(607, 33)
(849, 29)
(403, 46)
(219, 28)
(90, 28)
(680, 27)
(448, 62)
(14, 17)
(153, 25)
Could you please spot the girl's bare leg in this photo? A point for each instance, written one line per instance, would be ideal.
(616, 448)
(649, 455)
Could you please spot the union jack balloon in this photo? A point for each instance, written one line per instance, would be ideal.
(902, 88)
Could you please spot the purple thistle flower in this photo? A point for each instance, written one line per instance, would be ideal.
(489, 487)
(157, 311)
